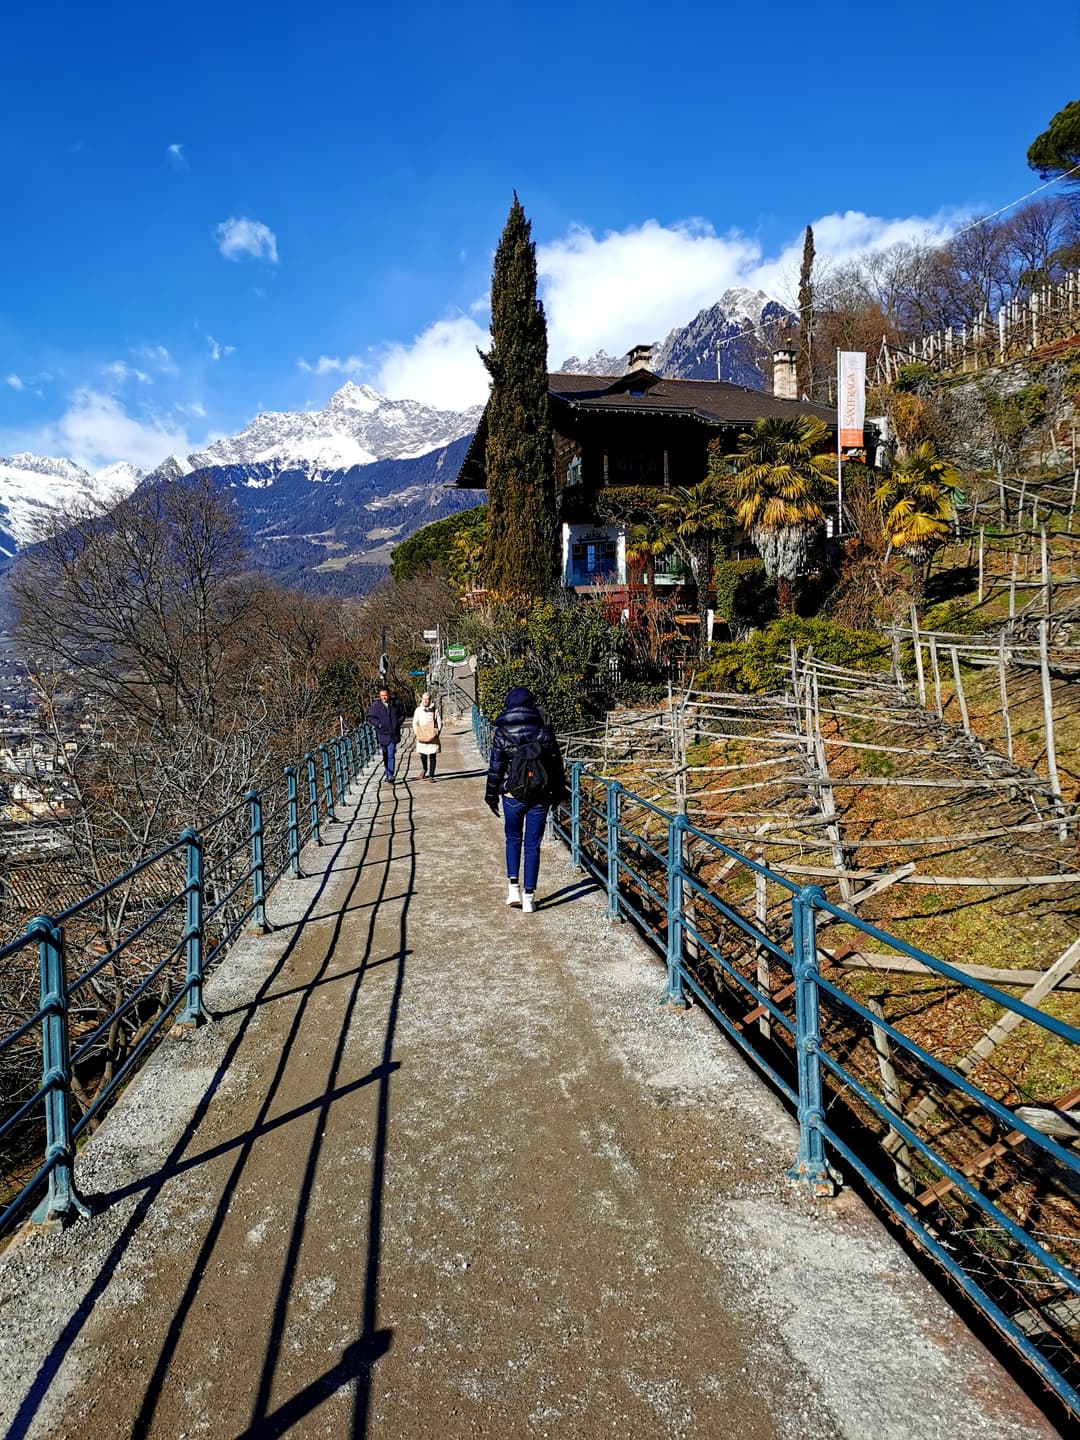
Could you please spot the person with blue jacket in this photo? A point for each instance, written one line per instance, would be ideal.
(524, 756)
(386, 718)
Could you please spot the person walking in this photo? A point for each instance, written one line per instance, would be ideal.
(386, 718)
(525, 772)
(426, 726)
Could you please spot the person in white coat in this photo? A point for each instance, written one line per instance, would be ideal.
(426, 726)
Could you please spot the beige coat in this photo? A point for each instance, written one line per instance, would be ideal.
(422, 722)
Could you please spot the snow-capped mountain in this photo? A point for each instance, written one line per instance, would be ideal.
(731, 340)
(357, 426)
(34, 486)
(599, 364)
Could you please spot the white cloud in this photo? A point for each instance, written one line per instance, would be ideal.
(239, 237)
(844, 237)
(15, 381)
(217, 350)
(177, 159)
(440, 367)
(630, 287)
(120, 372)
(633, 286)
(158, 357)
(97, 430)
(195, 409)
(333, 365)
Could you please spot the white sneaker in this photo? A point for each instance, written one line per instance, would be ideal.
(513, 893)
(528, 902)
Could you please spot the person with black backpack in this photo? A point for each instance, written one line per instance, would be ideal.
(525, 771)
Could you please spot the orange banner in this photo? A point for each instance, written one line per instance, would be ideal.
(851, 398)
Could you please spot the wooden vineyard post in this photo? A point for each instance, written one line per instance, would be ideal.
(917, 642)
(1047, 595)
(827, 806)
(936, 669)
(960, 690)
(1048, 716)
(895, 1144)
(761, 917)
(1006, 722)
(982, 547)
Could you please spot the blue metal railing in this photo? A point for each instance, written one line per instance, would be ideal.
(215, 883)
(853, 1098)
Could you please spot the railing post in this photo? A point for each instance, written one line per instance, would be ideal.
(293, 803)
(55, 1077)
(258, 873)
(339, 771)
(612, 811)
(192, 1013)
(811, 1168)
(575, 814)
(673, 990)
(313, 797)
(350, 755)
(328, 789)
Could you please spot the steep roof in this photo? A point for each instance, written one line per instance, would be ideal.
(713, 403)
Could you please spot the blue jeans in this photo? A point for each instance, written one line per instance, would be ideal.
(523, 823)
(388, 757)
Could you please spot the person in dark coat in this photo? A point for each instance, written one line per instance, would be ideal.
(386, 718)
(523, 822)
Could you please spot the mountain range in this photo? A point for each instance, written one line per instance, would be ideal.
(731, 340)
(324, 495)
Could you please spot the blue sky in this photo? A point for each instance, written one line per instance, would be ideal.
(217, 209)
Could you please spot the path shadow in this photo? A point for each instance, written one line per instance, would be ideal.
(457, 775)
(354, 1366)
(569, 893)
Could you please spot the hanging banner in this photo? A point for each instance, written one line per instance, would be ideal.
(851, 398)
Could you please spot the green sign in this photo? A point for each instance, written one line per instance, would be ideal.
(456, 653)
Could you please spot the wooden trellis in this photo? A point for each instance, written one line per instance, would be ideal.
(1021, 327)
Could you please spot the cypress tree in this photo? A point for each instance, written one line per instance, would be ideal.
(804, 378)
(519, 458)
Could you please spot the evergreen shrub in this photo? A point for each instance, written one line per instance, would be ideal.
(758, 662)
(744, 597)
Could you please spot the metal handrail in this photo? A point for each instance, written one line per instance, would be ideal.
(52, 1106)
(800, 1066)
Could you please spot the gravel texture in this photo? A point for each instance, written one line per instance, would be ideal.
(441, 1168)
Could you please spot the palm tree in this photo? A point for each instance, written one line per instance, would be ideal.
(918, 502)
(697, 516)
(647, 540)
(778, 485)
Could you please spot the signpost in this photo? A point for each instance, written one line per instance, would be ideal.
(455, 654)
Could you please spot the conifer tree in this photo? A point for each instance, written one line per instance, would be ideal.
(803, 365)
(1055, 154)
(519, 457)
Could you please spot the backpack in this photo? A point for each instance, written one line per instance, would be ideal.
(527, 778)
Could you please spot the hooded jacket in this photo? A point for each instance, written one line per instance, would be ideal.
(520, 721)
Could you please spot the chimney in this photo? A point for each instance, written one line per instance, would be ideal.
(784, 384)
(638, 358)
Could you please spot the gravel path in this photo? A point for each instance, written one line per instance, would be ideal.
(441, 1168)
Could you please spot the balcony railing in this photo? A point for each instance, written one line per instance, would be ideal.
(598, 575)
